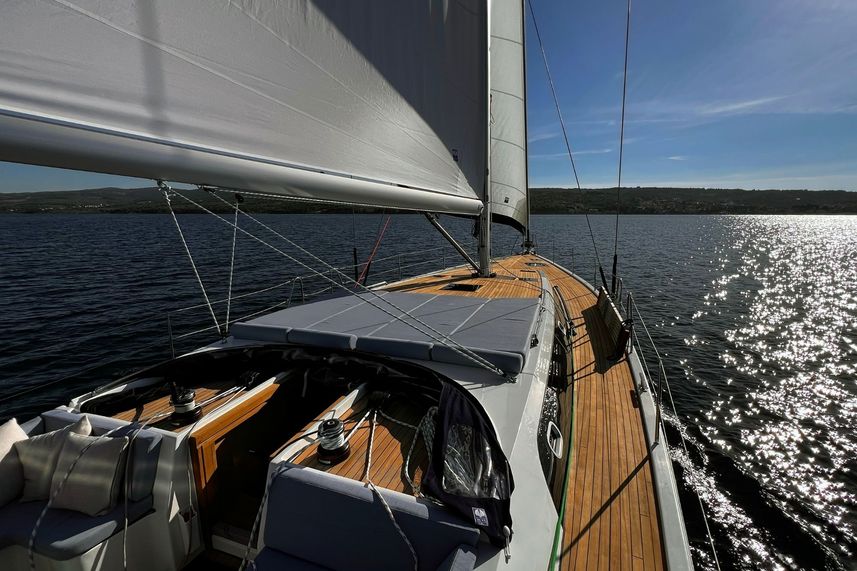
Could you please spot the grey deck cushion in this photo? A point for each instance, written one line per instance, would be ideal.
(500, 328)
(11, 473)
(39, 455)
(509, 362)
(273, 560)
(420, 350)
(310, 511)
(64, 534)
(89, 474)
(260, 332)
(327, 339)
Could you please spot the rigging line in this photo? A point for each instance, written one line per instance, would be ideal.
(417, 323)
(414, 324)
(621, 148)
(439, 336)
(167, 190)
(231, 266)
(565, 135)
(365, 271)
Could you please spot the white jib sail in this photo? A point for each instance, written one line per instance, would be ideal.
(366, 101)
(508, 114)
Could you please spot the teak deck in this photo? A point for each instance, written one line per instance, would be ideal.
(611, 520)
(389, 447)
(161, 405)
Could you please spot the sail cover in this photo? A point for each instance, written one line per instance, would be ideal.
(508, 115)
(376, 102)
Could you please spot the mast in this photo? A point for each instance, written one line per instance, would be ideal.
(484, 246)
(529, 247)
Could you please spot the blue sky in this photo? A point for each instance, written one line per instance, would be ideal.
(726, 93)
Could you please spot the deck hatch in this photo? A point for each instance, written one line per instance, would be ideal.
(462, 287)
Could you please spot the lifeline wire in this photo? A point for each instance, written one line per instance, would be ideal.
(463, 351)
(565, 135)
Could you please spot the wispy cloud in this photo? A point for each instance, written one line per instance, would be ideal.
(677, 158)
(543, 134)
(552, 156)
(736, 107)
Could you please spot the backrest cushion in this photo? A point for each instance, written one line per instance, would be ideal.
(88, 475)
(39, 455)
(145, 451)
(11, 473)
(339, 523)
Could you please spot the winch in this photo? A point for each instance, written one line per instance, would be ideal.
(332, 446)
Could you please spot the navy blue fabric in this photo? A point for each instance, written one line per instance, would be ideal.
(64, 534)
(459, 413)
(310, 511)
(273, 560)
(462, 559)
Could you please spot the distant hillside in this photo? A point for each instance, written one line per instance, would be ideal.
(543, 201)
(141, 200)
(693, 201)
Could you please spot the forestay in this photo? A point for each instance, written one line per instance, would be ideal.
(368, 101)
(508, 115)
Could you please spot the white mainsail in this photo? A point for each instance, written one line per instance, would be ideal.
(376, 102)
(508, 115)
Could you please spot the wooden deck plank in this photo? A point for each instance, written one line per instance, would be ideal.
(389, 448)
(610, 520)
(161, 405)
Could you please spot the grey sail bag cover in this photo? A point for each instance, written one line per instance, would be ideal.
(88, 476)
(39, 455)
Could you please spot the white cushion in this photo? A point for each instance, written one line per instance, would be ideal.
(88, 476)
(39, 455)
(11, 474)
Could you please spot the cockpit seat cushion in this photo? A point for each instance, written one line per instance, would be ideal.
(64, 534)
(11, 473)
(89, 474)
(145, 447)
(39, 454)
(339, 524)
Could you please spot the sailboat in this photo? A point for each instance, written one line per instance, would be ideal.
(491, 415)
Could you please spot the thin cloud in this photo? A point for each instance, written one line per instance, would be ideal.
(543, 134)
(677, 158)
(736, 107)
(552, 156)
